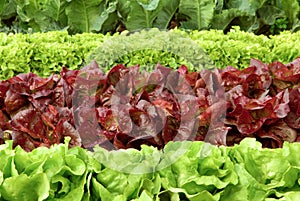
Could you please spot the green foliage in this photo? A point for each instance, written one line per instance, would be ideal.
(46, 53)
(50, 15)
(235, 48)
(102, 16)
(56, 173)
(199, 12)
(170, 48)
(279, 26)
(166, 14)
(7, 9)
(41, 15)
(255, 15)
(284, 46)
(141, 14)
(202, 172)
(85, 15)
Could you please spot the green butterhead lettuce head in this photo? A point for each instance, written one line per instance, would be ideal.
(200, 172)
(58, 173)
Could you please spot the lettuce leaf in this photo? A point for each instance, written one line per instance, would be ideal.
(22, 187)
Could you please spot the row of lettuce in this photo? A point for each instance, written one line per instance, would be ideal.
(202, 172)
(127, 107)
(267, 16)
(46, 53)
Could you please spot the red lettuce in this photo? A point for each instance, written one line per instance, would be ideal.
(126, 108)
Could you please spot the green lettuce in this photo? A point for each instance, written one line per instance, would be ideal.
(201, 173)
(265, 173)
(128, 174)
(57, 173)
(181, 171)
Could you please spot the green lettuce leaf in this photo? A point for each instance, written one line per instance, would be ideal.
(287, 196)
(246, 189)
(7, 165)
(265, 165)
(25, 187)
(187, 170)
(56, 173)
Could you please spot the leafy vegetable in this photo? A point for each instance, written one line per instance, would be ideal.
(21, 54)
(166, 14)
(104, 16)
(202, 172)
(170, 48)
(85, 16)
(199, 17)
(44, 54)
(127, 107)
(142, 14)
(56, 173)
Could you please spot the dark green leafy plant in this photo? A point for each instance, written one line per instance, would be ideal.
(102, 16)
(199, 13)
(41, 15)
(255, 16)
(95, 15)
(279, 26)
(140, 13)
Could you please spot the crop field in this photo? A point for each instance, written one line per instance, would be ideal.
(149, 100)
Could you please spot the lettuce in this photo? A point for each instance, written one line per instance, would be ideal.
(127, 107)
(200, 172)
(56, 173)
(169, 48)
(181, 171)
(21, 54)
(263, 171)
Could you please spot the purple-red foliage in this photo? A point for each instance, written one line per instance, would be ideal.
(126, 108)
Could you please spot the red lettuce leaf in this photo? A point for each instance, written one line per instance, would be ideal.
(293, 117)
